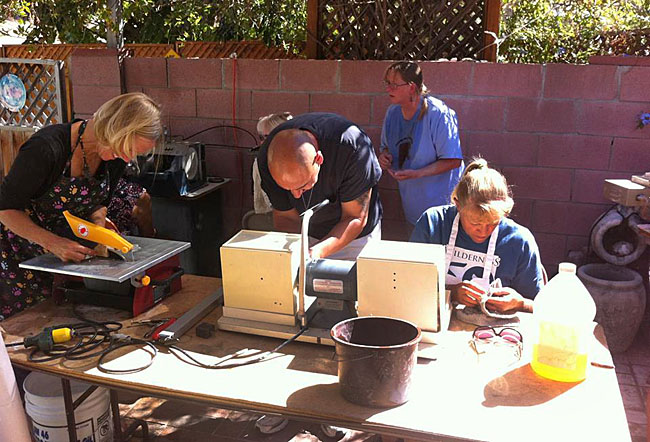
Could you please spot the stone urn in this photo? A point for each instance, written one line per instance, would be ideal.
(620, 300)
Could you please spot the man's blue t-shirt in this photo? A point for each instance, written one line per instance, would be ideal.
(516, 260)
(432, 138)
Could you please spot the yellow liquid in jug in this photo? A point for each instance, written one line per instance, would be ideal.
(558, 365)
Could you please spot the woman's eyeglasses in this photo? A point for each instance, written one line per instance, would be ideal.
(393, 86)
(487, 333)
(485, 336)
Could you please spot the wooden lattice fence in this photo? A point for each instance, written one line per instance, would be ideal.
(218, 49)
(43, 101)
(186, 49)
(401, 29)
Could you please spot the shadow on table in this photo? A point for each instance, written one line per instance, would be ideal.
(328, 397)
(520, 388)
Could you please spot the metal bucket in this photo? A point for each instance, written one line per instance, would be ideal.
(376, 356)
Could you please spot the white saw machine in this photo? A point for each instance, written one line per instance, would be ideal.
(272, 288)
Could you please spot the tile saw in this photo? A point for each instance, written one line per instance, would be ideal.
(145, 271)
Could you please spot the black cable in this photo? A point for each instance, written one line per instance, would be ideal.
(265, 356)
(90, 334)
(85, 342)
(118, 325)
(224, 126)
(128, 342)
(94, 340)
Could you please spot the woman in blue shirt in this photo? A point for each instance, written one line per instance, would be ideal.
(483, 244)
(420, 147)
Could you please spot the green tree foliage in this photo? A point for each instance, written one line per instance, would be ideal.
(531, 31)
(276, 22)
(76, 21)
(553, 31)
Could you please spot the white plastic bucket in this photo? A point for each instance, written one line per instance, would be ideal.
(45, 406)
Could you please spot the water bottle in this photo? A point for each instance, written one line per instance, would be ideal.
(563, 312)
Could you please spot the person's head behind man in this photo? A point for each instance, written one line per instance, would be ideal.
(294, 160)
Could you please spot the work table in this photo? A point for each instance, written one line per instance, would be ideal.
(459, 395)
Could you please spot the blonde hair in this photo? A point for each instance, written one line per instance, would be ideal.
(118, 121)
(411, 72)
(269, 122)
(484, 191)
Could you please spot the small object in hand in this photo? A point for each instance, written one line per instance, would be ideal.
(403, 152)
(204, 330)
(101, 250)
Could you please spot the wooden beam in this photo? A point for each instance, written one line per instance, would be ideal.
(491, 20)
(313, 19)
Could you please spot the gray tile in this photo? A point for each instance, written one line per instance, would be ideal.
(639, 351)
(623, 368)
(639, 359)
(626, 379)
(636, 417)
(638, 432)
(632, 397)
(641, 374)
(620, 358)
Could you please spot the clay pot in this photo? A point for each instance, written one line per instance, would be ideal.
(620, 301)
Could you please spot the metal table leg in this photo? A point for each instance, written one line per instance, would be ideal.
(69, 410)
(118, 435)
(117, 421)
(71, 406)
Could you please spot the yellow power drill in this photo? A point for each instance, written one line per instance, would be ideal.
(50, 336)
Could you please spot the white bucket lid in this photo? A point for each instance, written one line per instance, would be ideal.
(45, 389)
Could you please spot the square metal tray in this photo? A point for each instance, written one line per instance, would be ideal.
(152, 251)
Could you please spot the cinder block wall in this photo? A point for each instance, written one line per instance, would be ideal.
(555, 131)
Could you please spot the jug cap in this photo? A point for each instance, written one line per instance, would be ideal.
(567, 267)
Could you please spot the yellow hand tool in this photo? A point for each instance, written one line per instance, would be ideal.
(50, 336)
(101, 235)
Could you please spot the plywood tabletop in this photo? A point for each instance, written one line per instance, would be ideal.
(458, 395)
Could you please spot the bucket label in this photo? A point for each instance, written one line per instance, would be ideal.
(104, 425)
(558, 345)
(328, 286)
(47, 433)
(99, 429)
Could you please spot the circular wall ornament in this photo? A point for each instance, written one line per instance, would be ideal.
(12, 92)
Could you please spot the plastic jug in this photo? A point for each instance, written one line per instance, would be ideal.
(564, 312)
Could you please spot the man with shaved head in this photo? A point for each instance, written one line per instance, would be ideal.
(320, 156)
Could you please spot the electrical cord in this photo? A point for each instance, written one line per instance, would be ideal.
(90, 334)
(119, 341)
(224, 126)
(86, 342)
(264, 356)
